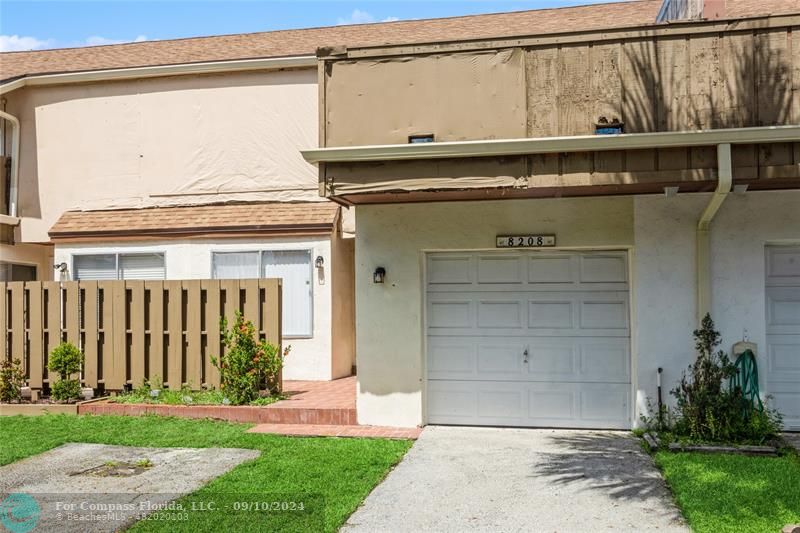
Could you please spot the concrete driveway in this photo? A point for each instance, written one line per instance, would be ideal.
(487, 479)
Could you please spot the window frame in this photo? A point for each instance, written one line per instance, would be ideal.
(116, 255)
(12, 264)
(260, 252)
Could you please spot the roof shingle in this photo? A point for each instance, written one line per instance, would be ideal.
(311, 217)
(306, 41)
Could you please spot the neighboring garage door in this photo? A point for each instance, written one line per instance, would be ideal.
(783, 332)
(528, 338)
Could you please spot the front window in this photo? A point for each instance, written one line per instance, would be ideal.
(119, 266)
(292, 266)
(17, 272)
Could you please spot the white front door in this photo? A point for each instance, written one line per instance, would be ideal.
(783, 332)
(528, 338)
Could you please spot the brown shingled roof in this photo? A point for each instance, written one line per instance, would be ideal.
(306, 41)
(270, 218)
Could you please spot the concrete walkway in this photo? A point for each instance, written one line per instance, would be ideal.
(487, 479)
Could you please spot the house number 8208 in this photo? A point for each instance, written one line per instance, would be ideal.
(525, 241)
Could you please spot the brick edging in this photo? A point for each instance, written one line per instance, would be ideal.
(232, 413)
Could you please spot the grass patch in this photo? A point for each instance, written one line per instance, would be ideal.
(733, 493)
(332, 475)
(184, 397)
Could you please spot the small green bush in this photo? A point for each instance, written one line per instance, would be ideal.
(248, 364)
(12, 379)
(710, 411)
(66, 390)
(65, 360)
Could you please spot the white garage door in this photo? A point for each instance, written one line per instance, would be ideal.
(528, 338)
(783, 332)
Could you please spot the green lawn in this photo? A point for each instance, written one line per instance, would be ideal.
(721, 493)
(331, 476)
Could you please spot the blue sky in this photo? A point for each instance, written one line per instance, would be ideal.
(33, 24)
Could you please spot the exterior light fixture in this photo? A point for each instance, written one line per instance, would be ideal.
(669, 192)
(379, 275)
(319, 262)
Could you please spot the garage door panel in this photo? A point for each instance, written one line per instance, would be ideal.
(553, 359)
(553, 405)
(535, 339)
(547, 405)
(603, 268)
(502, 404)
(604, 311)
(504, 359)
(500, 314)
(549, 314)
(504, 268)
(783, 331)
(450, 269)
(451, 313)
(783, 310)
(605, 361)
(452, 357)
(783, 359)
(551, 269)
(598, 313)
(783, 266)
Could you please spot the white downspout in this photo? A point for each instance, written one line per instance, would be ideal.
(13, 195)
(724, 182)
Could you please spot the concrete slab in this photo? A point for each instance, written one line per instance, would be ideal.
(490, 479)
(70, 499)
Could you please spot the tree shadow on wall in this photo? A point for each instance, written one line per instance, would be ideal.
(740, 80)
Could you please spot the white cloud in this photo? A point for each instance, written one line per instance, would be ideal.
(361, 17)
(16, 43)
(97, 40)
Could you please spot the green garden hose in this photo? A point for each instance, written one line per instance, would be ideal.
(746, 380)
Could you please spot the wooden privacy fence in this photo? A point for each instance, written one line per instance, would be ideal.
(131, 330)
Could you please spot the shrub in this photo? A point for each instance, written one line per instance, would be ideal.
(707, 409)
(12, 379)
(65, 360)
(248, 364)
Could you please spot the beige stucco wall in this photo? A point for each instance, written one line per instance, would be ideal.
(658, 232)
(343, 338)
(389, 339)
(164, 141)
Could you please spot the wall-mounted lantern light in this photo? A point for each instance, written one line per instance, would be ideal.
(379, 275)
(319, 262)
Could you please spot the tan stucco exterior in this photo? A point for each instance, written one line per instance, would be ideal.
(164, 141)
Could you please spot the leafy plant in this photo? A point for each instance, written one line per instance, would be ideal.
(248, 364)
(708, 410)
(12, 379)
(65, 360)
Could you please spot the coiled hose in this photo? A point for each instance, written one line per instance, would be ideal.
(746, 380)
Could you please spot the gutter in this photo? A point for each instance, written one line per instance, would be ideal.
(209, 67)
(544, 145)
(724, 183)
(13, 195)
